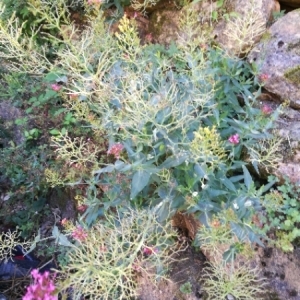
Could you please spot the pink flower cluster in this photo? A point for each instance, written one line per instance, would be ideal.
(116, 150)
(266, 109)
(56, 87)
(42, 289)
(263, 77)
(149, 250)
(79, 234)
(82, 208)
(234, 139)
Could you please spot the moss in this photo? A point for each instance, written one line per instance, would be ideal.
(293, 75)
(266, 36)
(294, 47)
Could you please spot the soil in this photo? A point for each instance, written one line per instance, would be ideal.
(187, 269)
(281, 272)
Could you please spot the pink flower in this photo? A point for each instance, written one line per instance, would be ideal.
(64, 221)
(149, 250)
(266, 109)
(115, 150)
(82, 207)
(149, 37)
(43, 287)
(56, 87)
(79, 234)
(263, 77)
(234, 139)
(73, 96)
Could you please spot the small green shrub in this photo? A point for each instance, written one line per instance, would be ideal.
(282, 214)
(104, 260)
(186, 288)
(26, 187)
(181, 122)
(8, 241)
(241, 283)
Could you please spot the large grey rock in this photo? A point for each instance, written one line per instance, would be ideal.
(278, 58)
(288, 127)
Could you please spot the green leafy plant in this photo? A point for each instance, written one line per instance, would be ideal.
(103, 260)
(9, 240)
(180, 124)
(243, 282)
(282, 214)
(277, 15)
(186, 288)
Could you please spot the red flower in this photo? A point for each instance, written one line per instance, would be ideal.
(82, 207)
(149, 250)
(79, 234)
(64, 221)
(116, 150)
(263, 77)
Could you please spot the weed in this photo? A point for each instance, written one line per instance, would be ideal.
(241, 283)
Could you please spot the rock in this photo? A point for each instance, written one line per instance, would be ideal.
(164, 25)
(288, 128)
(153, 5)
(278, 58)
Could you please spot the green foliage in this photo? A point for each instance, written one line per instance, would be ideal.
(158, 103)
(282, 213)
(8, 241)
(26, 187)
(134, 125)
(240, 283)
(186, 288)
(104, 263)
(32, 15)
(277, 15)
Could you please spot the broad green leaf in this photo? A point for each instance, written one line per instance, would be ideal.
(247, 178)
(173, 161)
(107, 169)
(34, 243)
(199, 171)
(228, 184)
(54, 132)
(230, 254)
(63, 240)
(55, 232)
(139, 180)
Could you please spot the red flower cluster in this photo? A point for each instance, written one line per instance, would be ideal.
(266, 109)
(115, 150)
(79, 234)
(263, 77)
(82, 207)
(149, 250)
